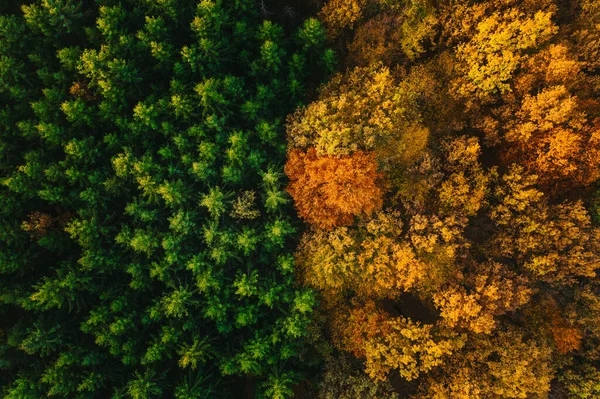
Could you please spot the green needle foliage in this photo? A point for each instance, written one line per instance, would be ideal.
(145, 234)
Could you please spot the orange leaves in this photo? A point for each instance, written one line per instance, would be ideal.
(551, 134)
(330, 191)
(354, 326)
(547, 121)
(565, 335)
(566, 338)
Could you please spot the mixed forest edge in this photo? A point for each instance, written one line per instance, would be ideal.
(337, 199)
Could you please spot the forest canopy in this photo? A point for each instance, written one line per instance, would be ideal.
(324, 199)
(466, 265)
(146, 237)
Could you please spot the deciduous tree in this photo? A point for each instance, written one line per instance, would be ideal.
(329, 190)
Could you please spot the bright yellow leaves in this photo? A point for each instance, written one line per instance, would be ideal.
(418, 27)
(442, 236)
(390, 343)
(465, 189)
(494, 291)
(408, 347)
(550, 109)
(330, 191)
(389, 266)
(495, 52)
(505, 365)
(461, 194)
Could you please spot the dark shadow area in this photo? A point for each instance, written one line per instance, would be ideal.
(411, 306)
(403, 387)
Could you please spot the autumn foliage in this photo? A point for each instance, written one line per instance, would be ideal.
(475, 272)
(330, 191)
(322, 199)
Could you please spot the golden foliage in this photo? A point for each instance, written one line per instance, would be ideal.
(408, 347)
(419, 26)
(400, 152)
(551, 135)
(330, 191)
(431, 234)
(493, 54)
(389, 343)
(372, 261)
(357, 112)
(553, 242)
(552, 66)
(484, 241)
(389, 267)
(340, 15)
(494, 290)
(504, 365)
(464, 191)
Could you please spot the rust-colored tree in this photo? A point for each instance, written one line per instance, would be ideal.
(330, 191)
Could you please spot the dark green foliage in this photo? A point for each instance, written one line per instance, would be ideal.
(145, 235)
